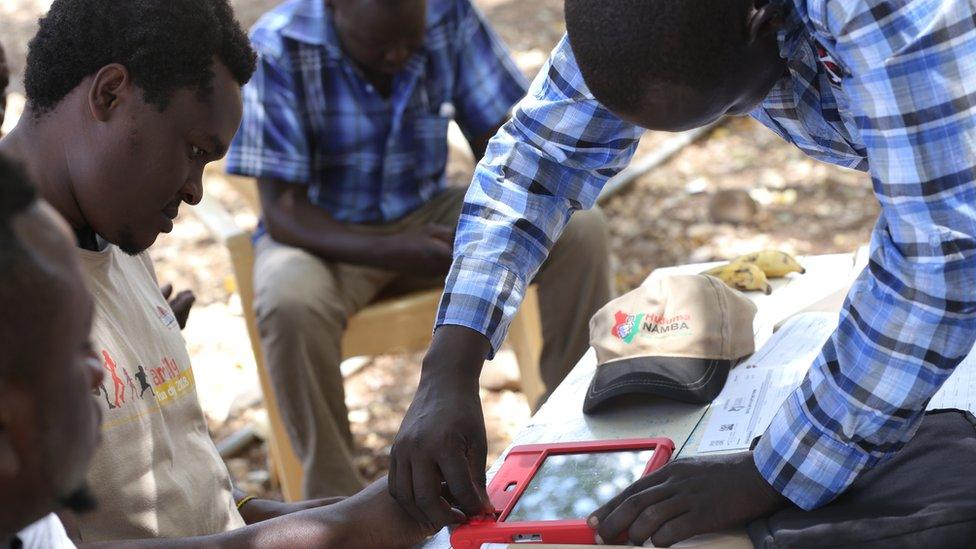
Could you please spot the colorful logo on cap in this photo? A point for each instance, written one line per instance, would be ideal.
(626, 325)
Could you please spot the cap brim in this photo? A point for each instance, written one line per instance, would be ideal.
(695, 380)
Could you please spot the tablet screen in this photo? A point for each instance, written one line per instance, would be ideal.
(571, 486)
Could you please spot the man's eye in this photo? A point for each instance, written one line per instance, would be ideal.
(197, 152)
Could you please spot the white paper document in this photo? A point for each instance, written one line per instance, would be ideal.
(959, 391)
(757, 388)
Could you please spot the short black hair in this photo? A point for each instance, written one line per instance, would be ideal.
(626, 47)
(21, 278)
(166, 45)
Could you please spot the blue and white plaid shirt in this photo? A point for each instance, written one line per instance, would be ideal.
(888, 86)
(311, 119)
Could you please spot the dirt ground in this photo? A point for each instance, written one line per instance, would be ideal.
(667, 217)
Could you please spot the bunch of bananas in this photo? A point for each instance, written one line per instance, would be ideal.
(752, 271)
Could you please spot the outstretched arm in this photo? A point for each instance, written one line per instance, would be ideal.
(551, 159)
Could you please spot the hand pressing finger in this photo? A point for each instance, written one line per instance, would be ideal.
(619, 521)
(649, 522)
(480, 476)
(597, 517)
(426, 491)
(677, 529)
(464, 489)
(401, 488)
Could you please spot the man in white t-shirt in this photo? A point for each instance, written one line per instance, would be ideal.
(127, 103)
(48, 421)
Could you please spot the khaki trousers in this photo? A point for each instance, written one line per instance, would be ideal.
(303, 303)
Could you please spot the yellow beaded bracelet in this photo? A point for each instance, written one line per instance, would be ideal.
(244, 500)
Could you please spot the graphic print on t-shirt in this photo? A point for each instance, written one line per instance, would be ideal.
(112, 369)
(128, 381)
(102, 390)
(166, 382)
(143, 382)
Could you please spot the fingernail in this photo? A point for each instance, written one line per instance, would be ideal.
(592, 522)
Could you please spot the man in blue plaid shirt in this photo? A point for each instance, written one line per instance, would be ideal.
(345, 126)
(883, 86)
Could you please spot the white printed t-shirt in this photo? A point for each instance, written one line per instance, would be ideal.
(157, 472)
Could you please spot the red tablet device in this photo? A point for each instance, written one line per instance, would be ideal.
(543, 493)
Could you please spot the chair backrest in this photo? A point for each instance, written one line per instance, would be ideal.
(403, 323)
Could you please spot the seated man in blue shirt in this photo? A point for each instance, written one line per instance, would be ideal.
(345, 126)
(882, 86)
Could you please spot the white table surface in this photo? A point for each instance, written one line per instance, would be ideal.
(561, 418)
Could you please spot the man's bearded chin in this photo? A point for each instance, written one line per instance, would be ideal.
(127, 243)
(80, 501)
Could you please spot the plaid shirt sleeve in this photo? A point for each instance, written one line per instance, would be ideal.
(550, 159)
(911, 316)
(271, 141)
(488, 82)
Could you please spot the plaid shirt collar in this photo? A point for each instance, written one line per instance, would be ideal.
(809, 106)
(796, 39)
(793, 35)
(311, 23)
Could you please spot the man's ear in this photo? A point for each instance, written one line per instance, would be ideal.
(109, 85)
(764, 18)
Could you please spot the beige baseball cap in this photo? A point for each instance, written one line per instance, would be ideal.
(675, 336)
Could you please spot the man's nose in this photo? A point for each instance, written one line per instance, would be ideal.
(192, 191)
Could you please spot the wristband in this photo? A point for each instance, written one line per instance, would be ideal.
(243, 501)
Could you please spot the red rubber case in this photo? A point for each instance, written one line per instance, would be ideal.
(521, 464)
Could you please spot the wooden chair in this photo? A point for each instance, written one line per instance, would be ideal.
(405, 321)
